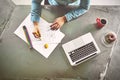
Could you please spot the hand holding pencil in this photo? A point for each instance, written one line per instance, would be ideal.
(36, 30)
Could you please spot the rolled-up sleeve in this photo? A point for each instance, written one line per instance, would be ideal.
(35, 10)
(83, 8)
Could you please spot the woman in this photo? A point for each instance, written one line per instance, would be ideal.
(83, 6)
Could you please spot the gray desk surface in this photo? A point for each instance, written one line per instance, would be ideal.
(18, 61)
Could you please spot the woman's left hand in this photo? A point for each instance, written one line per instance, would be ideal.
(58, 23)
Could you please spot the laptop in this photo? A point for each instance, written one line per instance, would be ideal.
(81, 49)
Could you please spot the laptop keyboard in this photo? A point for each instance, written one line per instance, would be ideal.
(82, 51)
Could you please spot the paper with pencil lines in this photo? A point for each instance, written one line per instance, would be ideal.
(52, 38)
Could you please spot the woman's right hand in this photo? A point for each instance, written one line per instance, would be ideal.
(36, 30)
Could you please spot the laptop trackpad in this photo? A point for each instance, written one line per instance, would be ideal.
(78, 43)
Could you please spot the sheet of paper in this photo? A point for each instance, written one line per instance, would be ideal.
(52, 38)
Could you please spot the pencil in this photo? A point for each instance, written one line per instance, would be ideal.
(27, 37)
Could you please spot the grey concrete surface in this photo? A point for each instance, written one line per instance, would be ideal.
(6, 9)
(18, 62)
(113, 72)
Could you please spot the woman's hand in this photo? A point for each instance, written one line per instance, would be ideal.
(58, 23)
(36, 30)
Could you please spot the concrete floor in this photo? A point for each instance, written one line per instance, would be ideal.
(113, 72)
(6, 9)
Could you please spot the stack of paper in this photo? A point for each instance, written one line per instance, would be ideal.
(52, 38)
